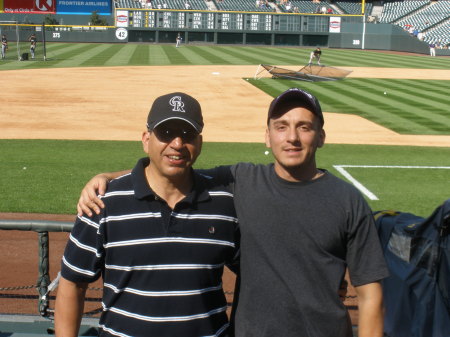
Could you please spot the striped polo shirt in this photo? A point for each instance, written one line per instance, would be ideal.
(161, 267)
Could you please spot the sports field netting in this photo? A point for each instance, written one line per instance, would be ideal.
(310, 73)
(18, 40)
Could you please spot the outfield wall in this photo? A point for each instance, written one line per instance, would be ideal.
(276, 29)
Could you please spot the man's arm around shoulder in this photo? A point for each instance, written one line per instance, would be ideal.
(69, 307)
(370, 306)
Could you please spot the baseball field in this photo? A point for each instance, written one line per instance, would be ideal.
(82, 111)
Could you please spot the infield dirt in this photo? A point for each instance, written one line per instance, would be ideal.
(112, 104)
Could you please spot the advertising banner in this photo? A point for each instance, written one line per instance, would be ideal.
(335, 24)
(83, 7)
(121, 18)
(1, 6)
(29, 6)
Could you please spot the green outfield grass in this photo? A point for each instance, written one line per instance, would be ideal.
(46, 176)
(98, 54)
(404, 106)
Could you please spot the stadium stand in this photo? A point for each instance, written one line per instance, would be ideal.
(352, 7)
(427, 16)
(430, 19)
(305, 6)
(180, 4)
(439, 35)
(395, 10)
(128, 4)
(243, 6)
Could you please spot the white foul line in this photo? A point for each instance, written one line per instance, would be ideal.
(355, 182)
(362, 188)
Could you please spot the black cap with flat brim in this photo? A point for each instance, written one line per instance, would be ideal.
(174, 106)
(292, 98)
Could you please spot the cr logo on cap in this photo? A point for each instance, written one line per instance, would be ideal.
(177, 104)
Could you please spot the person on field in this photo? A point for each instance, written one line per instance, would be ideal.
(160, 243)
(316, 54)
(4, 46)
(178, 40)
(301, 227)
(33, 42)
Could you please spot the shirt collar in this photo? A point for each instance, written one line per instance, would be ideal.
(199, 192)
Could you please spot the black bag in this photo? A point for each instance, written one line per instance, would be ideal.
(417, 252)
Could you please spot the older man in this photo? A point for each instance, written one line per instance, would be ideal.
(160, 242)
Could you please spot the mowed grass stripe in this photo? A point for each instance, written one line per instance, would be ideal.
(219, 54)
(102, 56)
(213, 55)
(388, 106)
(158, 56)
(193, 56)
(140, 55)
(258, 55)
(74, 57)
(174, 57)
(242, 54)
(433, 102)
(69, 52)
(435, 90)
(239, 56)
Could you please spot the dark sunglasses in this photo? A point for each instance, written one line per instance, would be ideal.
(166, 134)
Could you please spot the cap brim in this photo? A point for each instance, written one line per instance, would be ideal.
(195, 125)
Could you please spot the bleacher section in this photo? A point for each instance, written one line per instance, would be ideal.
(180, 4)
(427, 17)
(395, 10)
(243, 6)
(304, 6)
(162, 4)
(421, 16)
(128, 4)
(439, 35)
(352, 7)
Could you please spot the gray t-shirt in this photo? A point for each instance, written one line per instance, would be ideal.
(296, 241)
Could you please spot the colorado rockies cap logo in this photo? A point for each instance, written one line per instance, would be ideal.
(177, 104)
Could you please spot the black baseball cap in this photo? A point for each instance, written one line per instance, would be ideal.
(176, 105)
(291, 98)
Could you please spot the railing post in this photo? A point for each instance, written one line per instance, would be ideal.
(44, 273)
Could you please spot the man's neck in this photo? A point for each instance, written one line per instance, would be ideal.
(170, 189)
(298, 174)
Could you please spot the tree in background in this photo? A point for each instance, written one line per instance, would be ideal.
(50, 20)
(96, 20)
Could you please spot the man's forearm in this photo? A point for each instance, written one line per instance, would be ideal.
(69, 308)
(370, 306)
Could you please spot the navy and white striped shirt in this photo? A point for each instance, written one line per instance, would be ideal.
(161, 268)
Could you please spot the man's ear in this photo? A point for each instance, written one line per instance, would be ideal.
(145, 140)
(268, 138)
(322, 137)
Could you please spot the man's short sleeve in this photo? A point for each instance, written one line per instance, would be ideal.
(365, 257)
(83, 256)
